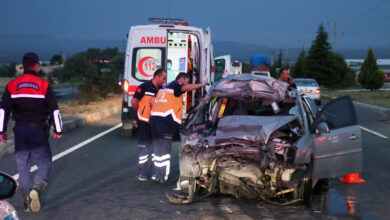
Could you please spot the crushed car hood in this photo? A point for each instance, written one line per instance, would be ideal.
(255, 129)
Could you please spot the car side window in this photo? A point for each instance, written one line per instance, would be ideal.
(338, 113)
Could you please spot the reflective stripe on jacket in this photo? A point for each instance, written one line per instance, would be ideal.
(144, 109)
(166, 103)
(30, 98)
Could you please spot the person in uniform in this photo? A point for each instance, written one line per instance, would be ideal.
(34, 106)
(165, 118)
(142, 103)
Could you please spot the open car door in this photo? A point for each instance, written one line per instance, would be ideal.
(337, 140)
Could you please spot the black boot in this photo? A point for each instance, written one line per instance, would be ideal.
(35, 204)
(26, 203)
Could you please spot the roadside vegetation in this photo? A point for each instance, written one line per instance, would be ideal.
(323, 64)
(371, 77)
(94, 72)
(72, 109)
(330, 70)
(379, 98)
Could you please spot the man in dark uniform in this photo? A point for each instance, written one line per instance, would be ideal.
(33, 105)
(142, 103)
(167, 112)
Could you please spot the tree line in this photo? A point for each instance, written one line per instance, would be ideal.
(329, 67)
(98, 70)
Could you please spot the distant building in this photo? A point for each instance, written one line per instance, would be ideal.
(383, 64)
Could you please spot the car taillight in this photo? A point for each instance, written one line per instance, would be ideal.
(212, 69)
(318, 91)
(126, 86)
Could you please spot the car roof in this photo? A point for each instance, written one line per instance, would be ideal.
(251, 87)
(304, 79)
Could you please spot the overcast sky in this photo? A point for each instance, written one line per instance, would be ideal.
(273, 23)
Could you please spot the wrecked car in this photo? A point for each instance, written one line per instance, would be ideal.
(255, 137)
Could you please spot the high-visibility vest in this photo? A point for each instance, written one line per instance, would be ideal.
(166, 103)
(144, 108)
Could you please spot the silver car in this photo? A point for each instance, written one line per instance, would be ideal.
(251, 137)
(309, 88)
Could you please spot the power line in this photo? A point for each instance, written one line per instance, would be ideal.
(366, 14)
(369, 26)
(335, 33)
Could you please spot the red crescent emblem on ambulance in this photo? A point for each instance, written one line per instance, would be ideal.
(141, 65)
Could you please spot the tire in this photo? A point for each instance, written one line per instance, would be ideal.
(127, 133)
(129, 130)
(307, 185)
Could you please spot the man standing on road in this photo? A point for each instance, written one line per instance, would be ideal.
(166, 117)
(284, 76)
(142, 102)
(33, 105)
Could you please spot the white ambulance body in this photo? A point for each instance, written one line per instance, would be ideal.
(176, 48)
(222, 66)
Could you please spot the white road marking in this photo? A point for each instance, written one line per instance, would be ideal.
(70, 150)
(374, 132)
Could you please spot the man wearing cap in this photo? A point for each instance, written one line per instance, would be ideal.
(33, 105)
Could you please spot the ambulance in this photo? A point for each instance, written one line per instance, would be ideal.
(172, 45)
(222, 65)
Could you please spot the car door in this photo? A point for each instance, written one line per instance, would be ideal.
(338, 152)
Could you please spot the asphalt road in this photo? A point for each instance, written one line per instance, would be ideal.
(98, 181)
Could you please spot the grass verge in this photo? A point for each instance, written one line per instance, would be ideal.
(378, 98)
(72, 109)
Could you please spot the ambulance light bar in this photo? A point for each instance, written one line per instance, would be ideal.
(165, 20)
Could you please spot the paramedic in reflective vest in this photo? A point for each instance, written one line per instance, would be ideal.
(142, 103)
(166, 117)
(33, 105)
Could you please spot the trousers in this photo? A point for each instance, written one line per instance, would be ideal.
(144, 147)
(32, 145)
(162, 133)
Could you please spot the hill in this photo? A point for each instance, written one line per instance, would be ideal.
(12, 48)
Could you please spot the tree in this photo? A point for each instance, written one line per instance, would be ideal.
(75, 66)
(246, 67)
(318, 60)
(41, 73)
(56, 59)
(8, 70)
(370, 76)
(277, 65)
(340, 75)
(90, 90)
(109, 53)
(299, 70)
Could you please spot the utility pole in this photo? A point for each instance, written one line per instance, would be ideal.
(335, 32)
(272, 52)
(286, 59)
